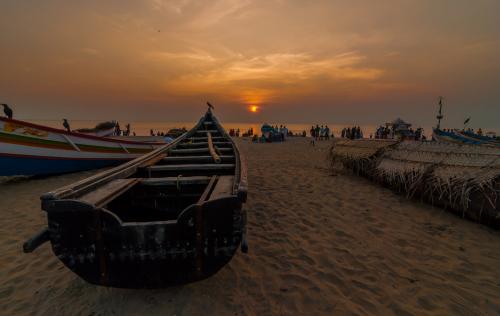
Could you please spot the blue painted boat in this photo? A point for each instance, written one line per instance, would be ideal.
(461, 138)
(31, 149)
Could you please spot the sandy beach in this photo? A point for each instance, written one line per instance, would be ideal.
(320, 244)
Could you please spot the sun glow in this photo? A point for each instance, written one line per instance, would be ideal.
(254, 108)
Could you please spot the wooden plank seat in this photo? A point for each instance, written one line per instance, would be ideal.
(174, 181)
(201, 131)
(204, 138)
(185, 159)
(191, 167)
(204, 144)
(108, 192)
(197, 150)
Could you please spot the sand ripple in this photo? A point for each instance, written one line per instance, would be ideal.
(319, 244)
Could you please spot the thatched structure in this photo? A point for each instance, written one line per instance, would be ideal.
(462, 178)
(358, 155)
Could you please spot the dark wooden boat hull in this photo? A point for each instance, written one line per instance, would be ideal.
(171, 217)
(101, 250)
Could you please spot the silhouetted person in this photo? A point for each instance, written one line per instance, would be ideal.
(8, 111)
(118, 130)
(66, 125)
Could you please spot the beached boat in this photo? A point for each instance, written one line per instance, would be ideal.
(172, 216)
(31, 149)
(463, 137)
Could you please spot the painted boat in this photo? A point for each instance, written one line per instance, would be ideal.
(170, 217)
(457, 137)
(31, 149)
(479, 138)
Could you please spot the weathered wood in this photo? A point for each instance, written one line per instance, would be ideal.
(197, 150)
(123, 230)
(214, 155)
(174, 181)
(109, 191)
(195, 158)
(223, 188)
(37, 240)
(205, 131)
(192, 167)
(201, 144)
(203, 138)
(208, 189)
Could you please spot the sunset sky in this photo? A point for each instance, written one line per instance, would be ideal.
(297, 61)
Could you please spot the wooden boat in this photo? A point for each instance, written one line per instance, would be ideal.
(458, 137)
(169, 217)
(31, 149)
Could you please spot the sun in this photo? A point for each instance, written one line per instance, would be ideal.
(254, 108)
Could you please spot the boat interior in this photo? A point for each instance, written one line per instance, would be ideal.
(200, 167)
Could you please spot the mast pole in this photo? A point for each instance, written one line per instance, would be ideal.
(440, 115)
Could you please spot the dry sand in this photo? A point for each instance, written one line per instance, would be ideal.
(319, 244)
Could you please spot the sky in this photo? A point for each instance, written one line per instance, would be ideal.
(363, 62)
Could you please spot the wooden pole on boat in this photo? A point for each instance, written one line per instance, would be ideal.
(211, 148)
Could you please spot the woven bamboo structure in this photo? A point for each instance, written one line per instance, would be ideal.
(461, 178)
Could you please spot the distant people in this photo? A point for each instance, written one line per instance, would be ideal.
(127, 129)
(238, 132)
(118, 131)
(66, 125)
(286, 132)
(317, 131)
(327, 132)
(151, 132)
(7, 111)
(480, 132)
(312, 131)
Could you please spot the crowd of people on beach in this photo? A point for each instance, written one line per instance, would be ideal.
(392, 133)
(272, 133)
(354, 132)
(320, 133)
(120, 132)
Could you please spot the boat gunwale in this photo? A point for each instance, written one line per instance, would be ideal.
(78, 189)
(76, 134)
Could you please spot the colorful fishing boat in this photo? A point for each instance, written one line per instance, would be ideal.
(31, 149)
(170, 217)
(460, 137)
